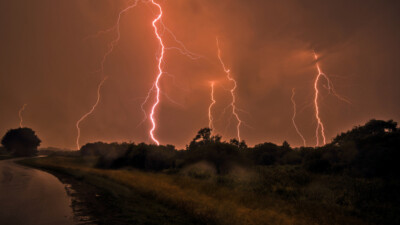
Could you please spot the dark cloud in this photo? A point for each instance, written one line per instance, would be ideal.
(47, 63)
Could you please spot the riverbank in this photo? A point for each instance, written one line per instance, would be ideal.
(99, 200)
(128, 196)
(30, 196)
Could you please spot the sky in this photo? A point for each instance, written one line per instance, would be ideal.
(49, 60)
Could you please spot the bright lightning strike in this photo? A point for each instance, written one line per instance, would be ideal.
(146, 99)
(320, 130)
(160, 73)
(233, 103)
(294, 116)
(210, 117)
(158, 32)
(88, 113)
(20, 115)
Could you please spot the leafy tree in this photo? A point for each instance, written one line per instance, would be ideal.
(21, 142)
(371, 129)
(203, 137)
(234, 141)
(240, 144)
(204, 134)
(265, 154)
(285, 145)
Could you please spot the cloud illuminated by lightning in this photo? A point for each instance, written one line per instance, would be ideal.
(294, 116)
(88, 113)
(210, 117)
(20, 114)
(320, 130)
(232, 91)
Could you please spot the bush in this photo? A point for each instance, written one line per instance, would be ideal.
(21, 142)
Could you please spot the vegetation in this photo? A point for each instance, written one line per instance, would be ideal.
(21, 142)
(352, 180)
(4, 154)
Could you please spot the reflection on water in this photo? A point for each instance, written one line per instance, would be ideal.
(30, 196)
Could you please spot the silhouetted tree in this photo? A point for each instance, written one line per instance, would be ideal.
(240, 144)
(234, 141)
(286, 146)
(21, 142)
(203, 137)
(265, 154)
(371, 129)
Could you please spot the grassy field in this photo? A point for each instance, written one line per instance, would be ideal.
(279, 195)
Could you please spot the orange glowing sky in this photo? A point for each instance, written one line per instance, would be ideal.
(48, 62)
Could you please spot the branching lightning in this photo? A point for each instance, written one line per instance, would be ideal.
(233, 103)
(146, 99)
(159, 75)
(88, 113)
(159, 29)
(110, 49)
(294, 116)
(183, 50)
(320, 130)
(20, 115)
(210, 117)
(115, 41)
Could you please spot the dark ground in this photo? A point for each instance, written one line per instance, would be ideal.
(96, 200)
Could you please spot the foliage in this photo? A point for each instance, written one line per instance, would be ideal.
(142, 156)
(355, 174)
(365, 151)
(21, 142)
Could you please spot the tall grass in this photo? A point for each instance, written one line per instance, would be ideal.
(217, 200)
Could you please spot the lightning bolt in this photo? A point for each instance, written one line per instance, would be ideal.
(320, 130)
(88, 113)
(115, 41)
(232, 91)
(294, 116)
(210, 117)
(159, 75)
(183, 50)
(146, 99)
(155, 87)
(110, 49)
(20, 114)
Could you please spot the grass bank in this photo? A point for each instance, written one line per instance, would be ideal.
(216, 200)
(96, 199)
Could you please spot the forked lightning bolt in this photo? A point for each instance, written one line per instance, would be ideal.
(20, 115)
(233, 103)
(320, 130)
(210, 117)
(157, 22)
(110, 49)
(294, 117)
(115, 41)
(88, 113)
(159, 75)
